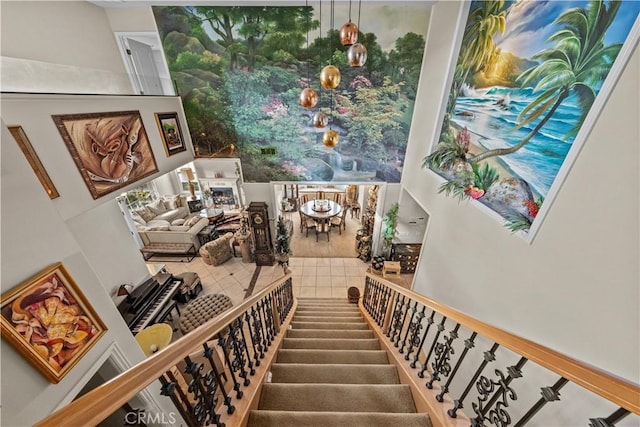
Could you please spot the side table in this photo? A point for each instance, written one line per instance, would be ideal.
(207, 234)
(154, 338)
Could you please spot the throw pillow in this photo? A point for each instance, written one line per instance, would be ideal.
(192, 221)
(180, 221)
(179, 228)
(171, 202)
(157, 207)
(144, 213)
(138, 219)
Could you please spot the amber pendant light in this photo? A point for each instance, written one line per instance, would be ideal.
(357, 53)
(320, 119)
(330, 138)
(308, 96)
(349, 31)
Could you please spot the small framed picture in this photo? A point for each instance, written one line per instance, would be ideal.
(169, 127)
(50, 321)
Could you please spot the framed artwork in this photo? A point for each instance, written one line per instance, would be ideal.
(111, 150)
(169, 127)
(50, 321)
(34, 161)
(527, 86)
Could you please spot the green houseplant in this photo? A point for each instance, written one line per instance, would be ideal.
(389, 224)
(283, 244)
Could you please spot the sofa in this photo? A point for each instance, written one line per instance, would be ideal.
(217, 251)
(161, 231)
(167, 208)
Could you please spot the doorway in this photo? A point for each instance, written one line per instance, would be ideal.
(308, 238)
(145, 63)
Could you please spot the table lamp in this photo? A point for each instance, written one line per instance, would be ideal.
(189, 174)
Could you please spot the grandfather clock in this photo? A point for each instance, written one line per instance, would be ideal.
(259, 222)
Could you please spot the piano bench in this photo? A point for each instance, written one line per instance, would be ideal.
(190, 288)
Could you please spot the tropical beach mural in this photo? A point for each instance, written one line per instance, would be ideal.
(526, 78)
(240, 72)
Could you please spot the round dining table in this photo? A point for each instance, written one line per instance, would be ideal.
(313, 209)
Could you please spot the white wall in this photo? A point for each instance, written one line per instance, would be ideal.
(576, 287)
(59, 46)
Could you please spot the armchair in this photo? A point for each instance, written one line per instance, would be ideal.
(217, 251)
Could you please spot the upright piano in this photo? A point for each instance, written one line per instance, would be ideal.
(146, 303)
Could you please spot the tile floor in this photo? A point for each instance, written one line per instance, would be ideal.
(312, 277)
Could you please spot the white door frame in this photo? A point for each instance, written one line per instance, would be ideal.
(148, 37)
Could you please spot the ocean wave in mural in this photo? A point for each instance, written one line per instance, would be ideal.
(240, 71)
(527, 77)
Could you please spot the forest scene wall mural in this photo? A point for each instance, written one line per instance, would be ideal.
(529, 81)
(240, 72)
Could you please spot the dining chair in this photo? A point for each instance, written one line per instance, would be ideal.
(340, 221)
(309, 223)
(322, 227)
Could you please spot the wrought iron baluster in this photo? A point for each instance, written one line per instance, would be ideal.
(289, 289)
(430, 321)
(257, 337)
(396, 321)
(204, 411)
(270, 321)
(441, 366)
(439, 328)
(468, 344)
(549, 394)
(266, 339)
(489, 356)
(222, 342)
(404, 319)
(610, 421)
(240, 322)
(503, 393)
(409, 330)
(256, 357)
(415, 327)
(216, 376)
(238, 362)
(375, 309)
(176, 394)
(366, 294)
(386, 294)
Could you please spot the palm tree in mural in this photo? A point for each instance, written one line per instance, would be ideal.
(576, 64)
(485, 21)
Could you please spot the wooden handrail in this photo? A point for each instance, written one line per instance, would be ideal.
(99, 403)
(615, 389)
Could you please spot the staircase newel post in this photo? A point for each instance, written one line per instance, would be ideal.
(387, 317)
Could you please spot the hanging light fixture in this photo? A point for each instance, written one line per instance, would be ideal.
(308, 96)
(357, 53)
(320, 119)
(349, 31)
(330, 79)
(330, 75)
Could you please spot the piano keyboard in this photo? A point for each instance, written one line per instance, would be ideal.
(164, 297)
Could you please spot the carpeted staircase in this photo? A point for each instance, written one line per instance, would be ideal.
(331, 371)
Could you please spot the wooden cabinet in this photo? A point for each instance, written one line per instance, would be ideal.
(407, 254)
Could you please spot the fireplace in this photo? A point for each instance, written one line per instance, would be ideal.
(222, 196)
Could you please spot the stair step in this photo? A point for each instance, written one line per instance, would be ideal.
(307, 299)
(330, 319)
(334, 373)
(328, 304)
(329, 333)
(326, 313)
(327, 310)
(393, 398)
(335, 419)
(331, 343)
(360, 357)
(329, 325)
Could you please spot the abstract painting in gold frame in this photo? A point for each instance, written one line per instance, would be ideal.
(111, 150)
(50, 321)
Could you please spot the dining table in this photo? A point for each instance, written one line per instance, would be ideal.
(321, 210)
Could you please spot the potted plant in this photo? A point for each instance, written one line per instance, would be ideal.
(283, 247)
(389, 224)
